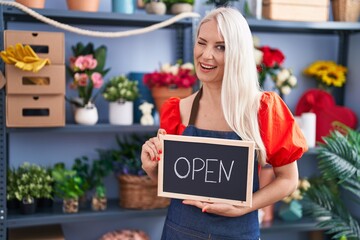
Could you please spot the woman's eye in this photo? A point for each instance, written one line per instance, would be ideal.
(201, 43)
(220, 47)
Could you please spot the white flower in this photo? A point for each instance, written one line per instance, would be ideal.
(174, 69)
(292, 80)
(258, 56)
(165, 68)
(282, 76)
(304, 184)
(188, 65)
(256, 41)
(285, 90)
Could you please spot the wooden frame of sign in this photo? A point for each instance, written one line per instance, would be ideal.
(206, 169)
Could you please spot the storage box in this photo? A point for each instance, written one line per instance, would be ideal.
(49, 80)
(35, 110)
(296, 10)
(46, 44)
(52, 232)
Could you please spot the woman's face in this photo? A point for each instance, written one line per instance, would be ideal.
(209, 53)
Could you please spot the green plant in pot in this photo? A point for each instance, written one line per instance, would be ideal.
(83, 169)
(12, 202)
(121, 93)
(339, 163)
(179, 6)
(100, 169)
(68, 186)
(31, 182)
(219, 3)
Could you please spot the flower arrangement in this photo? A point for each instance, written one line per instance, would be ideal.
(303, 186)
(172, 76)
(269, 62)
(120, 88)
(87, 70)
(327, 73)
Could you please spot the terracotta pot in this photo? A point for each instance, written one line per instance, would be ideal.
(83, 5)
(161, 94)
(32, 3)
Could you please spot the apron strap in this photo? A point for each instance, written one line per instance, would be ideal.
(195, 107)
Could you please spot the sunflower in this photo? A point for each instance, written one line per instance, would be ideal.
(333, 78)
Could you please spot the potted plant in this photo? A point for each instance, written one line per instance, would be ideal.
(157, 7)
(179, 6)
(83, 5)
(339, 163)
(32, 3)
(171, 81)
(31, 182)
(83, 170)
(219, 3)
(121, 93)
(100, 169)
(87, 68)
(67, 187)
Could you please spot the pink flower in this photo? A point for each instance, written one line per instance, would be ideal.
(81, 79)
(85, 62)
(97, 80)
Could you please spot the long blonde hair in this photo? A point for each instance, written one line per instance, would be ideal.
(240, 94)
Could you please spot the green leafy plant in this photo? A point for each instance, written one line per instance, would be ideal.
(219, 2)
(68, 185)
(120, 88)
(30, 181)
(339, 162)
(83, 170)
(100, 169)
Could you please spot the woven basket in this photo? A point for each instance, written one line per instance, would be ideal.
(139, 192)
(346, 10)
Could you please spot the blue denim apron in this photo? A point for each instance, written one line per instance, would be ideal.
(186, 222)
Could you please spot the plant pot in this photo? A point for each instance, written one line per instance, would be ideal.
(32, 3)
(177, 8)
(98, 203)
(13, 204)
(161, 94)
(121, 113)
(43, 203)
(87, 115)
(158, 8)
(70, 205)
(28, 208)
(83, 5)
(123, 6)
(139, 192)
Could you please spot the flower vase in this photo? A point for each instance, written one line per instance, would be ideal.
(87, 115)
(121, 112)
(161, 94)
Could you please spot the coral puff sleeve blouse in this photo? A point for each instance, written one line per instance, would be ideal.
(282, 137)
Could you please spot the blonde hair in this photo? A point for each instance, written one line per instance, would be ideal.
(240, 94)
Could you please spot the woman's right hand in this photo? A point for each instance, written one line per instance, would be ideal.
(150, 154)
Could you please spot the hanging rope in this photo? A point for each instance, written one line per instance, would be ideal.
(98, 33)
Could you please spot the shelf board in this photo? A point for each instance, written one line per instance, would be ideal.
(55, 215)
(97, 128)
(304, 224)
(96, 18)
(329, 27)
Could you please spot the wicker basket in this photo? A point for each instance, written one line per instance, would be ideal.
(346, 10)
(140, 192)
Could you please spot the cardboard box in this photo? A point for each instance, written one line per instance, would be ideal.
(296, 10)
(49, 80)
(45, 44)
(52, 232)
(35, 110)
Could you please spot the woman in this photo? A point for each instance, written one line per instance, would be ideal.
(229, 105)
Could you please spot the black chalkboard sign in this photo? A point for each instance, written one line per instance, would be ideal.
(206, 169)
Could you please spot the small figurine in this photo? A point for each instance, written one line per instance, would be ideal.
(147, 118)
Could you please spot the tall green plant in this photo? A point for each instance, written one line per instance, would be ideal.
(339, 161)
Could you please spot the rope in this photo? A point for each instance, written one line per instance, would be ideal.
(99, 33)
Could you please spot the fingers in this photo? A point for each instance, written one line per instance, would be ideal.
(161, 131)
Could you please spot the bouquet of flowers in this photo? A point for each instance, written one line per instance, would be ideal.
(269, 63)
(87, 69)
(172, 76)
(327, 73)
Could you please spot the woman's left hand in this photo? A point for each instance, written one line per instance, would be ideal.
(222, 209)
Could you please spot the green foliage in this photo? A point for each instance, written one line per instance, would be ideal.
(29, 181)
(121, 88)
(82, 168)
(339, 163)
(67, 183)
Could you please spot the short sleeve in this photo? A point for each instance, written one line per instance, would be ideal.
(170, 118)
(282, 137)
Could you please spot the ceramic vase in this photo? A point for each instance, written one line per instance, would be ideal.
(121, 113)
(32, 3)
(158, 8)
(83, 5)
(177, 8)
(87, 115)
(123, 6)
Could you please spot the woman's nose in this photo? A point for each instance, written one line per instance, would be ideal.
(208, 53)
